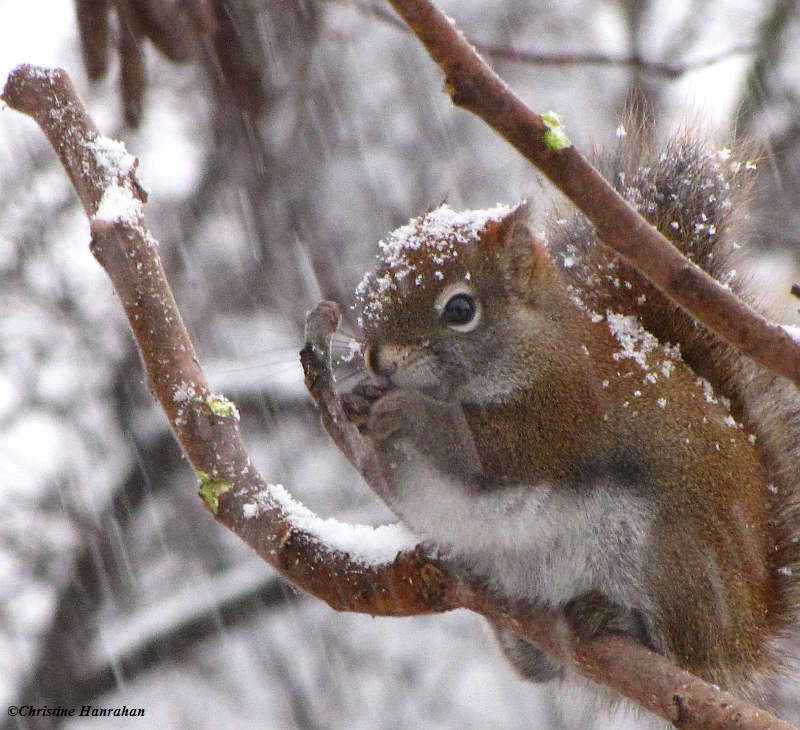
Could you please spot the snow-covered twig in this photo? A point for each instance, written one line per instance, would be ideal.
(206, 425)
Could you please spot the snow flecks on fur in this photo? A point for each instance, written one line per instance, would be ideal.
(639, 345)
(706, 179)
(635, 341)
(655, 358)
(442, 231)
(711, 396)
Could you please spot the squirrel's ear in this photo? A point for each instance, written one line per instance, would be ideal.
(500, 237)
(519, 214)
(523, 254)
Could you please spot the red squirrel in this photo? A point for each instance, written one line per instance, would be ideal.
(559, 427)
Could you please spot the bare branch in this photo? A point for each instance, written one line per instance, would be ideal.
(205, 425)
(656, 68)
(575, 58)
(475, 87)
(177, 639)
(208, 431)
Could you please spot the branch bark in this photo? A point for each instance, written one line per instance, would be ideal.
(207, 428)
(473, 85)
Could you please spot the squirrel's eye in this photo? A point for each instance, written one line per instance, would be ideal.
(460, 310)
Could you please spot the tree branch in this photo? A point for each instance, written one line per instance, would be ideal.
(475, 87)
(669, 71)
(308, 551)
(172, 642)
(205, 425)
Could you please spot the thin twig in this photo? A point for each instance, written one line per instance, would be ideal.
(569, 58)
(578, 58)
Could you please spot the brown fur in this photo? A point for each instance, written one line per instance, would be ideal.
(575, 411)
(687, 184)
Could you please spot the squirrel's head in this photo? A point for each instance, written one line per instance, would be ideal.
(461, 304)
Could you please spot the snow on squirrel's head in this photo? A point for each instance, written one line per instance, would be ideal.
(441, 252)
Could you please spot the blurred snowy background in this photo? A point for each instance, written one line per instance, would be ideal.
(275, 158)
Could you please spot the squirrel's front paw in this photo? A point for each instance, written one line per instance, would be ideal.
(393, 415)
(357, 404)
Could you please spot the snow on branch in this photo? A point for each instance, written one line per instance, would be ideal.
(352, 568)
(206, 425)
(542, 140)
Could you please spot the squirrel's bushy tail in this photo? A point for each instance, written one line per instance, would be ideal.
(697, 197)
(693, 195)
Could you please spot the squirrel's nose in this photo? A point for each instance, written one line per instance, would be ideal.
(381, 360)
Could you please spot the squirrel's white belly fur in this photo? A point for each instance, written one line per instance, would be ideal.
(534, 542)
